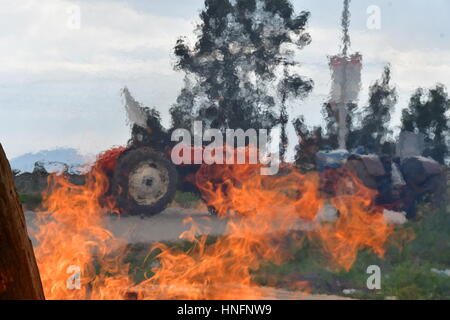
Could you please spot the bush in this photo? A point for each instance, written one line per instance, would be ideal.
(186, 199)
(30, 199)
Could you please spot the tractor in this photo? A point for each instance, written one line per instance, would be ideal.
(144, 180)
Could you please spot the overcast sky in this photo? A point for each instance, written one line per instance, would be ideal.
(60, 85)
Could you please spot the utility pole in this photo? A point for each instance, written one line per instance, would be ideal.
(346, 77)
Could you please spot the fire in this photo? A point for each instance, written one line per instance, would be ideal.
(267, 217)
(360, 225)
(71, 235)
(270, 209)
(260, 226)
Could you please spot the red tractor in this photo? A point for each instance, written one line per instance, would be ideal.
(144, 180)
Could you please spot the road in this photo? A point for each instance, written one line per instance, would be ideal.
(166, 226)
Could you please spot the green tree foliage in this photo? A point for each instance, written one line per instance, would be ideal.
(310, 142)
(230, 71)
(374, 133)
(427, 113)
(291, 86)
(330, 139)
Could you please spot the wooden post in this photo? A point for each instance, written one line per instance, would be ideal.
(19, 274)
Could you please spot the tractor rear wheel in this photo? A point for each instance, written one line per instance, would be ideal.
(144, 181)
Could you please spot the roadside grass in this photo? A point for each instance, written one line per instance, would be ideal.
(30, 199)
(186, 200)
(406, 269)
(143, 258)
(414, 251)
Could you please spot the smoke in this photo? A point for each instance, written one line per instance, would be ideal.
(136, 114)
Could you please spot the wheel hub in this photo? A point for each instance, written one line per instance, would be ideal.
(148, 183)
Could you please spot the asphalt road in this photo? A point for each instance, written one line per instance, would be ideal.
(166, 226)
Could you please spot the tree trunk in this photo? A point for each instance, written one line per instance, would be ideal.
(19, 274)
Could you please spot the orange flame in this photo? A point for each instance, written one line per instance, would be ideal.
(264, 214)
(270, 208)
(360, 225)
(71, 235)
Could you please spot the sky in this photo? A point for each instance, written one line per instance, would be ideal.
(60, 76)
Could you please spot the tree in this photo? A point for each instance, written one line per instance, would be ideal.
(374, 132)
(310, 142)
(330, 139)
(230, 71)
(19, 274)
(291, 86)
(427, 114)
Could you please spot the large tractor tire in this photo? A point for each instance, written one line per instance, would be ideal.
(144, 181)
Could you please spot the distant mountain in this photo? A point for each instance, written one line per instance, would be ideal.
(53, 160)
